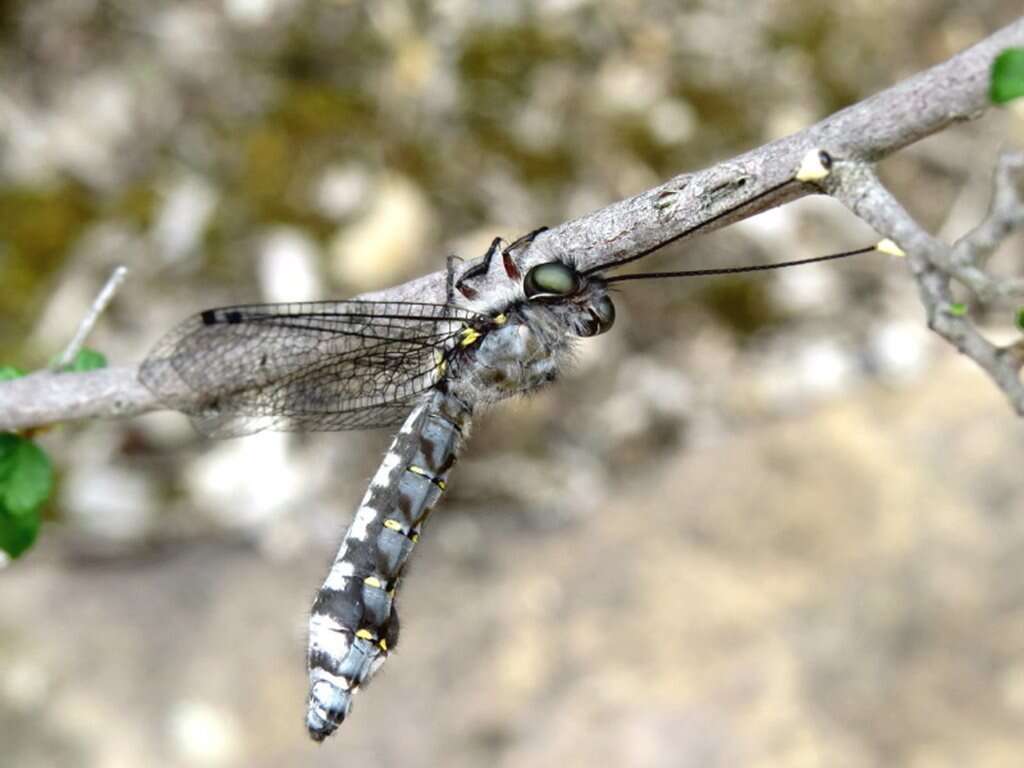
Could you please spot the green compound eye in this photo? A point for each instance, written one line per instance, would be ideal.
(551, 280)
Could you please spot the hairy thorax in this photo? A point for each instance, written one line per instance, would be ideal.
(517, 356)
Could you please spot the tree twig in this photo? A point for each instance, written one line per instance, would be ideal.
(45, 398)
(935, 264)
(86, 326)
(694, 203)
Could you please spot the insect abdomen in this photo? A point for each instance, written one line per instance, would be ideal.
(354, 624)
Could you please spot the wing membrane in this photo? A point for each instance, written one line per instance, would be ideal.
(316, 366)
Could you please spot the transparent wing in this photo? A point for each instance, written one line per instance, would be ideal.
(316, 366)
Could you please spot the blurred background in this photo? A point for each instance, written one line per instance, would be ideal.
(767, 521)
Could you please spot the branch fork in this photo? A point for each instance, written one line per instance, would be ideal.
(936, 265)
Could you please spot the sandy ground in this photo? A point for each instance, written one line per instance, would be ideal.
(837, 589)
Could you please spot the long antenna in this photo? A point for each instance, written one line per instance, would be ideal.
(815, 166)
(884, 246)
(708, 222)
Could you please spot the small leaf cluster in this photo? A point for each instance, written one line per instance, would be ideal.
(26, 473)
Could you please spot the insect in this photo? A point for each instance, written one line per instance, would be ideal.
(362, 364)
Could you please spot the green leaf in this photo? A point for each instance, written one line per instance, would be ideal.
(1020, 318)
(1007, 76)
(86, 359)
(8, 372)
(18, 532)
(958, 309)
(26, 477)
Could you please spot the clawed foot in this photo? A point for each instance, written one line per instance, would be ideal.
(477, 270)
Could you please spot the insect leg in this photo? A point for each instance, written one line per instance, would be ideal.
(526, 239)
(511, 267)
(477, 270)
(449, 282)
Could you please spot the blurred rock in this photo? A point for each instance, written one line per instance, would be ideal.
(796, 375)
(183, 217)
(205, 735)
(98, 119)
(109, 502)
(24, 685)
(814, 288)
(251, 12)
(341, 190)
(672, 121)
(190, 38)
(625, 86)
(245, 483)
(289, 266)
(383, 244)
(902, 350)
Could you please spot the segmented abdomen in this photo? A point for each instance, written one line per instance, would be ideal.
(354, 624)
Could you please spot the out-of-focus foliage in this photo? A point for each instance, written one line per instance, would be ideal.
(26, 478)
(26, 475)
(8, 372)
(1008, 76)
(86, 360)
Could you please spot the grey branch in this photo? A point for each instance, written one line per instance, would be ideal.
(935, 265)
(1006, 215)
(690, 204)
(86, 326)
(45, 398)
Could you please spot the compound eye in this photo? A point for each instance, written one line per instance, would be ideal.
(551, 280)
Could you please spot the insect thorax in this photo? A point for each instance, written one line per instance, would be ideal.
(525, 348)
